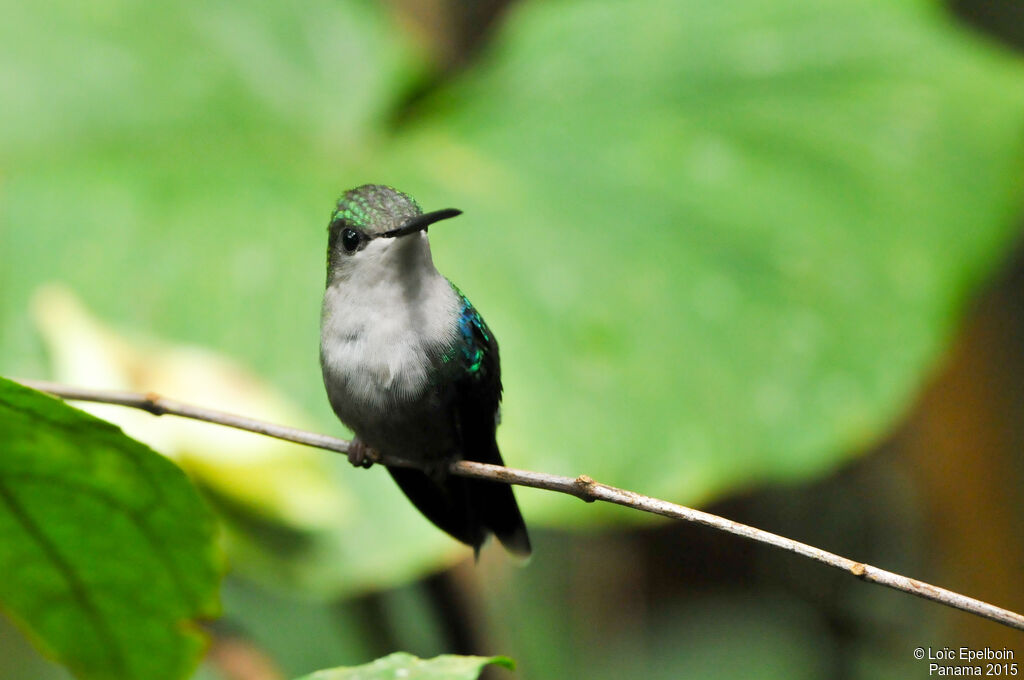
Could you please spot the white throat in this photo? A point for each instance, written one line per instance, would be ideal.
(386, 311)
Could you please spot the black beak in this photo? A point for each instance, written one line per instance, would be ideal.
(421, 222)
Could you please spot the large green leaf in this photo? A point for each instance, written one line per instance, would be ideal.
(408, 667)
(720, 243)
(106, 550)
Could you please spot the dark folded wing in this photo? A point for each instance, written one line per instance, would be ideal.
(477, 393)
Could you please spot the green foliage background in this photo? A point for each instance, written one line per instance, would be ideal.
(720, 243)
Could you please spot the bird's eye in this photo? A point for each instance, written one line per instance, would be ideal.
(350, 239)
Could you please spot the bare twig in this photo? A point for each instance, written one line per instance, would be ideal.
(582, 487)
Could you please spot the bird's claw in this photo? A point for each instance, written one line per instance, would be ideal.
(359, 454)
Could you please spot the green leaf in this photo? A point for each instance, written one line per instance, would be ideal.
(329, 69)
(719, 243)
(408, 667)
(106, 550)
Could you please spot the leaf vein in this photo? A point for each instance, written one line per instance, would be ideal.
(75, 585)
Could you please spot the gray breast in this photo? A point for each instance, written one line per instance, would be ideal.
(382, 368)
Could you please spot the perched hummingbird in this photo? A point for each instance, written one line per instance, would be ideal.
(410, 366)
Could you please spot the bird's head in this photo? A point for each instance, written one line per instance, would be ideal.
(377, 226)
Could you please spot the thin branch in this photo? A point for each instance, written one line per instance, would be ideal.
(582, 487)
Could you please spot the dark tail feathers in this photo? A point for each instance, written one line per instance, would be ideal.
(467, 509)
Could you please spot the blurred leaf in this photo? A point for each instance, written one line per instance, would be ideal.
(107, 552)
(582, 622)
(202, 172)
(269, 492)
(407, 666)
(724, 241)
(299, 633)
(288, 511)
(720, 243)
(121, 65)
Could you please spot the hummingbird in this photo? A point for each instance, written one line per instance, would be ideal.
(411, 367)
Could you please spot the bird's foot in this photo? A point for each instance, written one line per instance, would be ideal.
(359, 454)
(437, 470)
